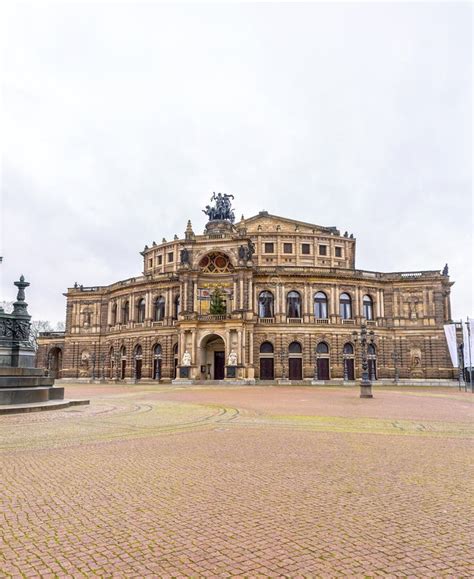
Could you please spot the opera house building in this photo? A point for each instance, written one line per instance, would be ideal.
(262, 299)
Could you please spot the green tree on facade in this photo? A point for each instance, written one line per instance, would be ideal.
(217, 306)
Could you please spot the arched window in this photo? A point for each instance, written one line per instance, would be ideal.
(177, 307)
(368, 308)
(159, 313)
(266, 348)
(267, 366)
(345, 306)
(371, 350)
(157, 350)
(295, 348)
(322, 348)
(216, 262)
(141, 310)
(138, 351)
(265, 305)
(348, 349)
(293, 305)
(126, 312)
(87, 317)
(114, 315)
(320, 306)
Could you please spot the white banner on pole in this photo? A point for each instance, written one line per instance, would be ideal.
(468, 341)
(450, 333)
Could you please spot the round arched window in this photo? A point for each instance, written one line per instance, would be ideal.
(322, 348)
(216, 262)
(348, 348)
(294, 348)
(266, 348)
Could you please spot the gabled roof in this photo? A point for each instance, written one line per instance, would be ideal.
(303, 225)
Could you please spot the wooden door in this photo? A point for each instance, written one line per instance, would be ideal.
(350, 368)
(219, 365)
(267, 369)
(138, 369)
(323, 368)
(295, 368)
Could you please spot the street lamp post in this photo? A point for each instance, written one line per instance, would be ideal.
(157, 367)
(102, 365)
(135, 368)
(93, 366)
(316, 367)
(461, 367)
(117, 364)
(469, 349)
(364, 338)
(344, 365)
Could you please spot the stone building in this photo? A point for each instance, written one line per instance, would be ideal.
(267, 298)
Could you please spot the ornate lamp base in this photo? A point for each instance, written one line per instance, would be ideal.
(366, 391)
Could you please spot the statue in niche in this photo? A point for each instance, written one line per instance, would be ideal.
(415, 359)
(186, 361)
(184, 256)
(232, 359)
(250, 250)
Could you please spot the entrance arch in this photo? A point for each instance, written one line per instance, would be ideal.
(295, 361)
(212, 357)
(55, 362)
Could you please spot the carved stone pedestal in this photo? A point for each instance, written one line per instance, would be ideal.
(366, 391)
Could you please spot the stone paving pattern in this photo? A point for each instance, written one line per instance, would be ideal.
(239, 481)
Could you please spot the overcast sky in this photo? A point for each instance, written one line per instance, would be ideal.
(120, 120)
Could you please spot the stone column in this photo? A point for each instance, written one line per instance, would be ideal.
(250, 294)
(132, 308)
(239, 347)
(357, 308)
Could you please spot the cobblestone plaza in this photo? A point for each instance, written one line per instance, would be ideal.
(245, 481)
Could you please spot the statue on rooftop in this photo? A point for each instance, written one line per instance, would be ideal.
(222, 209)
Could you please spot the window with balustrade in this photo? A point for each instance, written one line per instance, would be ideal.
(320, 306)
(265, 304)
(293, 305)
(159, 313)
(345, 306)
(141, 306)
(368, 307)
(126, 312)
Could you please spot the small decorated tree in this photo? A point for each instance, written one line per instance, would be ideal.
(217, 306)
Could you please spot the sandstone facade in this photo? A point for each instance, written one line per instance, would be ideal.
(269, 298)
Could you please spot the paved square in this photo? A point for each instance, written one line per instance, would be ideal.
(251, 481)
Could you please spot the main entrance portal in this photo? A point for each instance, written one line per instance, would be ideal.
(212, 356)
(219, 363)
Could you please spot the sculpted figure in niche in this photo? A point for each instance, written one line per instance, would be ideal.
(415, 355)
(85, 363)
(232, 359)
(186, 361)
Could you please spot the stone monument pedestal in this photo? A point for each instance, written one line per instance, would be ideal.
(24, 388)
